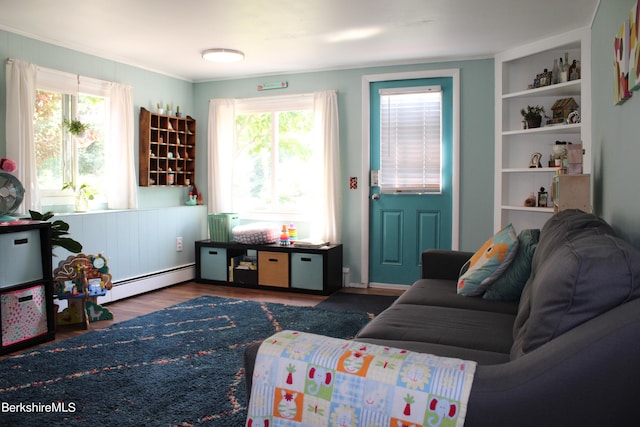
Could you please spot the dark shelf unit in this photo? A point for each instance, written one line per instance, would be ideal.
(26, 285)
(288, 268)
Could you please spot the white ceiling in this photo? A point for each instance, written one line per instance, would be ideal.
(284, 36)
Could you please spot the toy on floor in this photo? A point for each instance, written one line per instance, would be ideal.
(81, 279)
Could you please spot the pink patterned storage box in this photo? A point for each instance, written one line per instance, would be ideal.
(24, 314)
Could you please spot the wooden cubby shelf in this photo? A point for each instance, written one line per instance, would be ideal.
(167, 150)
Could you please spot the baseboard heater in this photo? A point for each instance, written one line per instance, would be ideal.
(149, 282)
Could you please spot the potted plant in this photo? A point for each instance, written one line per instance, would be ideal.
(84, 193)
(533, 116)
(59, 232)
(75, 126)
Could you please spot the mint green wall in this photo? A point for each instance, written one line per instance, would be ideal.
(476, 140)
(616, 146)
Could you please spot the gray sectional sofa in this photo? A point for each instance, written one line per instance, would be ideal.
(566, 354)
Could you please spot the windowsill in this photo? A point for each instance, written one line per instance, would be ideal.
(111, 211)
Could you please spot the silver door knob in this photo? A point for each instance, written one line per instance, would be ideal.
(375, 196)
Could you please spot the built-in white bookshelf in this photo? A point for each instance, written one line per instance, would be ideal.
(515, 71)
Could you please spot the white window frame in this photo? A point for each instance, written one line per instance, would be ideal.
(421, 135)
(273, 104)
(70, 84)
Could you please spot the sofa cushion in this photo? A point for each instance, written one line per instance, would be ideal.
(443, 293)
(589, 273)
(478, 330)
(486, 265)
(555, 229)
(508, 287)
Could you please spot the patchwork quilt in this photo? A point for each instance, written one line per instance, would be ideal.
(303, 379)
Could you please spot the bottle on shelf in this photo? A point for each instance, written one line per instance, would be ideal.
(555, 72)
(543, 198)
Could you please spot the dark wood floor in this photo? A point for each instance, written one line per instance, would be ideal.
(146, 303)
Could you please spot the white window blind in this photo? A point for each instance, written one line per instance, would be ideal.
(410, 139)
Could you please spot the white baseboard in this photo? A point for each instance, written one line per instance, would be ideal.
(136, 286)
(387, 286)
(356, 285)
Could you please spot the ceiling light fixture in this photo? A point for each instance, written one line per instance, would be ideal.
(222, 55)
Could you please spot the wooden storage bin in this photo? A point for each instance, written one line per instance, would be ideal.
(273, 269)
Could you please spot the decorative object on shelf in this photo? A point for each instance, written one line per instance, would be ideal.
(574, 155)
(535, 160)
(192, 200)
(555, 72)
(178, 113)
(293, 233)
(76, 127)
(573, 117)
(8, 165)
(284, 236)
(564, 69)
(533, 116)
(530, 201)
(11, 190)
(542, 79)
(543, 198)
(159, 108)
(562, 108)
(168, 110)
(84, 194)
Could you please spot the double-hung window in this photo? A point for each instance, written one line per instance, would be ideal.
(411, 140)
(275, 162)
(65, 160)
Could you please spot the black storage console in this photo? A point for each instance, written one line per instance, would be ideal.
(297, 269)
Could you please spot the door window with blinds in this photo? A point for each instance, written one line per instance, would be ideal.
(410, 140)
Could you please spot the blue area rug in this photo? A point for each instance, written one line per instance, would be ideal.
(180, 366)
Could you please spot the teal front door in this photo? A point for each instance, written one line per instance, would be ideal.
(403, 223)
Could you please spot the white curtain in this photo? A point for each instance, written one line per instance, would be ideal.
(221, 136)
(122, 189)
(327, 221)
(21, 101)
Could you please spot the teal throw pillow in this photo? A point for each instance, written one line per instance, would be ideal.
(508, 287)
(488, 263)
